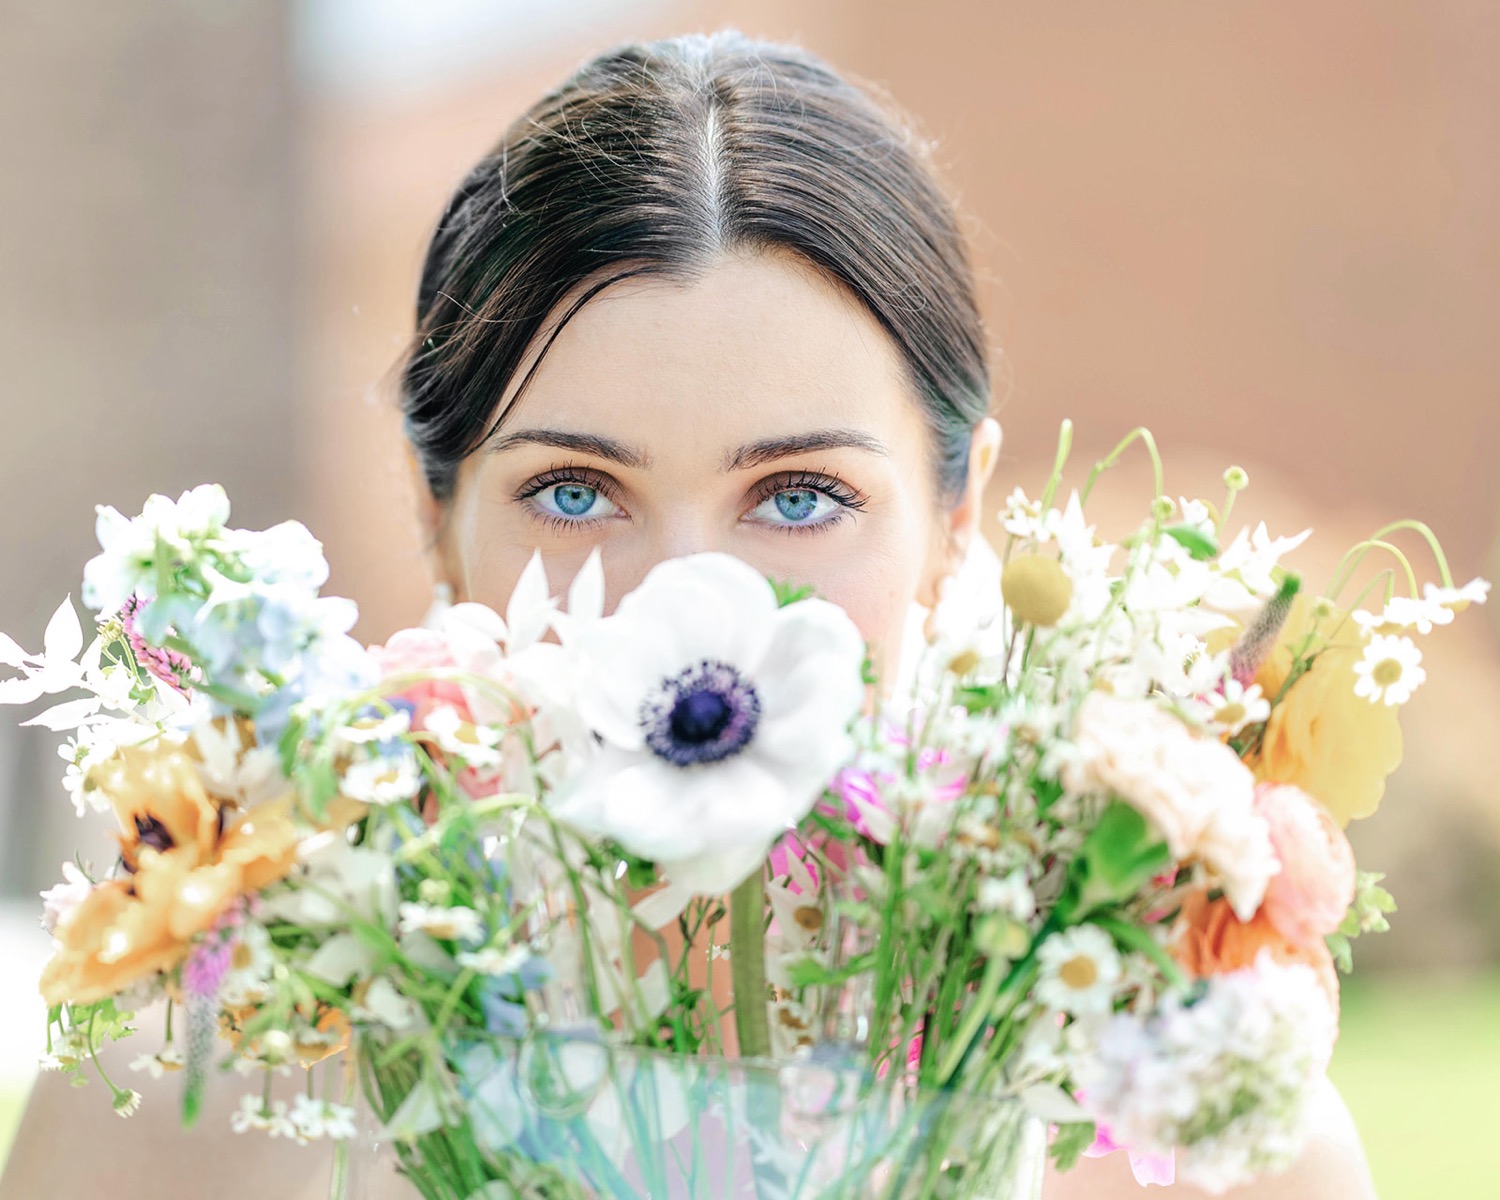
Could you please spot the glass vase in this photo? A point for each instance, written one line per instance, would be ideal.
(552, 1117)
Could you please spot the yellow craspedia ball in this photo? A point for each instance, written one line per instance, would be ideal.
(1036, 589)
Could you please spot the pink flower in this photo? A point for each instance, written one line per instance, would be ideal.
(422, 650)
(1308, 898)
(1147, 1168)
(874, 816)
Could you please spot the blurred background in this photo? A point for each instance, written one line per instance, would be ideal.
(1270, 230)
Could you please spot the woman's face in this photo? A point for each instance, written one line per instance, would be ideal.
(756, 410)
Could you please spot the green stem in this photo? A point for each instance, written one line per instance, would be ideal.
(1141, 434)
(1059, 461)
(747, 965)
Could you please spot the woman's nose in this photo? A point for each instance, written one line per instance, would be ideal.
(679, 538)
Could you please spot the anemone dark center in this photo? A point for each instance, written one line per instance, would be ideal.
(703, 714)
(700, 717)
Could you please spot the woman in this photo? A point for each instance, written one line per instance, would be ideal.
(705, 295)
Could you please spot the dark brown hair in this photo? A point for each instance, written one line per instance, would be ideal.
(654, 158)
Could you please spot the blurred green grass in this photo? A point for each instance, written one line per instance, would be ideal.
(1418, 1062)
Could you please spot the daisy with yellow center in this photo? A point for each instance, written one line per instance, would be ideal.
(1237, 706)
(1390, 670)
(1079, 971)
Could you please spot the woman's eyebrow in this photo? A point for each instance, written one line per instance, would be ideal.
(583, 443)
(754, 454)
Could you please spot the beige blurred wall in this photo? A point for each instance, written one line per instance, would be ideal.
(148, 309)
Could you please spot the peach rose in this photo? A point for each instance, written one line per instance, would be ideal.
(1211, 940)
(1308, 898)
(1194, 790)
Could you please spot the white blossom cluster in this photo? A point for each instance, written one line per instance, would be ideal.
(1223, 1077)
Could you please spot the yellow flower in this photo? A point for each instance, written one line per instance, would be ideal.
(1323, 737)
(188, 860)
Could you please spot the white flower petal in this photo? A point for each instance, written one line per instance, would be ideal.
(64, 637)
(11, 654)
(23, 690)
(716, 873)
(68, 715)
(586, 593)
(530, 605)
(340, 959)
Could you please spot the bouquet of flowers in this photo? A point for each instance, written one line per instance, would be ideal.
(680, 900)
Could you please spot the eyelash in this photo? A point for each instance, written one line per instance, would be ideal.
(847, 498)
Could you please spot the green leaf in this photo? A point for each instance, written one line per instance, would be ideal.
(1134, 937)
(1201, 546)
(1070, 1142)
(1121, 853)
(319, 782)
(1342, 950)
(789, 593)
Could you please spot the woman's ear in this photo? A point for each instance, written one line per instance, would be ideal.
(984, 455)
(960, 524)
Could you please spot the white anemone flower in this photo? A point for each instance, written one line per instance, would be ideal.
(1390, 670)
(721, 718)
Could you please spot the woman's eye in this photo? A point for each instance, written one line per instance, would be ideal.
(574, 502)
(796, 506)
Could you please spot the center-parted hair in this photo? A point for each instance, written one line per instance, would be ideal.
(655, 158)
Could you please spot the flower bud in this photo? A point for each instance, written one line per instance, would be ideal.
(435, 892)
(1037, 589)
(1236, 479)
(276, 1046)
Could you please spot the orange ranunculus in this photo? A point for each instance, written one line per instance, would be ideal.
(1336, 746)
(187, 866)
(1211, 940)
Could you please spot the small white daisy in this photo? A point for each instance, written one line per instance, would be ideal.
(452, 924)
(1404, 612)
(1012, 896)
(477, 745)
(127, 1102)
(315, 1119)
(373, 729)
(1079, 970)
(382, 780)
(1390, 670)
(1459, 598)
(494, 961)
(157, 1065)
(251, 963)
(1023, 517)
(1237, 706)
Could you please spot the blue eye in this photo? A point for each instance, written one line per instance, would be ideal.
(574, 501)
(797, 505)
(792, 507)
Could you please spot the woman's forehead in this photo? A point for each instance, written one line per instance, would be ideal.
(756, 345)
